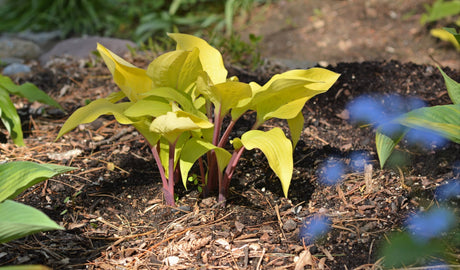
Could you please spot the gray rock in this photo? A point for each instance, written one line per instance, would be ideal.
(80, 48)
(18, 48)
(289, 225)
(41, 38)
(15, 69)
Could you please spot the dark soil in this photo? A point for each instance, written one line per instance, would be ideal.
(115, 216)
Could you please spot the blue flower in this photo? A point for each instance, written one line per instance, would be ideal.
(358, 160)
(313, 228)
(437, 265)
(449, 190)
(425, 137)
(366, 109)
(331, 171)
(431, 224)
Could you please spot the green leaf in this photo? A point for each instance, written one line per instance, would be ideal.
(403, 251)
(28, 91)
(439, 10)
(210, 58)
(17, 176)
(385, 146)
(173, 95)
(441, 119)
(278, 150)
(296, 128)
(194, 149)
(10, 117)
(18, 220)
(453, 87)
(94, 110)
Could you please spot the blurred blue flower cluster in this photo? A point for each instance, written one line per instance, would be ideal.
(424, 226)
(331, 171)
(380, 111)
(313, 228)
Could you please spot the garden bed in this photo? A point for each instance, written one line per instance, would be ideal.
(115, 216)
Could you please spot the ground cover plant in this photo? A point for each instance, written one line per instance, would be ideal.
(8, 114)
(180, 103)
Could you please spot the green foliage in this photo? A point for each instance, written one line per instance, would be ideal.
(8, 113)
(16, 219)
(134, 19)
(443, 120)
(179, 103)
(439, 10)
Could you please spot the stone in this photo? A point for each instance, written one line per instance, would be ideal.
(16, 69)
(289, 225)
(18, 48)
(81, 48)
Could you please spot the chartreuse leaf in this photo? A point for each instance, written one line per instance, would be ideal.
(225, 96)
(296, 127)
(28, 91)
(194, 149)
(278, 150)
(10, 117)
(454, 32)
(148, 107)
(210, 58)
(446, 36)
(18, 220)
(92, 111)
(15, 177)
(453, 87)
(285, 94)
(131, 79)
(173, 95)
(172, 124)
(177, 69)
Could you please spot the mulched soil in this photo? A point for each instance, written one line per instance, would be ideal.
(115, 216)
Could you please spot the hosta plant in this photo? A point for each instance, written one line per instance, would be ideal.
(179, 105)
(8, 114)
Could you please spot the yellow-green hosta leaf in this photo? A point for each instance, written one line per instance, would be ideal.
(285, 94)
(296, 128)
(446, 36)
(210, 58)
(18, 220)
(278, 150)
(131, 79)
(194, 149)
(143, 127)
(164, 151)
(177, 69)
(173, 95)
(225, 96)
(92, 111)
(148, 107)
(172, 124)
(453, 87)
